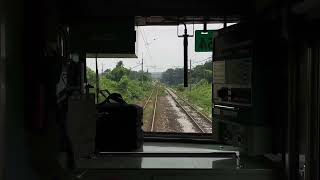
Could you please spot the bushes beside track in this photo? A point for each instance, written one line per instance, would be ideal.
(122, 80)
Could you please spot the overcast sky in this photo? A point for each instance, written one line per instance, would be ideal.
(160, 49)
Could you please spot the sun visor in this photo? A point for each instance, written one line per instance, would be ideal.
(111, 37)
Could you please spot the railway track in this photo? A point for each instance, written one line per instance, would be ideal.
(146, 103)
(202, 122)
(193, 107)
(153, 98)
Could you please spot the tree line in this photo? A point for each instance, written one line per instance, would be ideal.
(119, 72)
(174, 77)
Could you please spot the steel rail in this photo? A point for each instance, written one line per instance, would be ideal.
(154, 111)
(145, 104)
(194, 108)
(186, 112)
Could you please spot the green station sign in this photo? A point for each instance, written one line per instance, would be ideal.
(204, 40)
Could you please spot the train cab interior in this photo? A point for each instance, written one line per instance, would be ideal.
(238, 95)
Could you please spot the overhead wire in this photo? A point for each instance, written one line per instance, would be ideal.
(145, 42)
(135, 66)
(200, 61)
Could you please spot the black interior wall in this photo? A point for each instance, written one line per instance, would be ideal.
(28, 27)
(2, 87)
(16, 147)
(303, 122)
(30, 149)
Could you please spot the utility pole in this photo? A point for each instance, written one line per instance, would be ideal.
(142, 69)
(102, 68)
(97, 80)
(185, 55)
(190, 76)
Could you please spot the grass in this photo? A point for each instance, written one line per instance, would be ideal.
(200, 95)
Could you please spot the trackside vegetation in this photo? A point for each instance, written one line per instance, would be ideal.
(134, 89)
(124, 81)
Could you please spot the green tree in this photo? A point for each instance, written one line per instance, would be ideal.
(124, 81)
(123, 84)
(173, 76)
(91, 77)
(119, 64)
(118, 72)
(203, 71)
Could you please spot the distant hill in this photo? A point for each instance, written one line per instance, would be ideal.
(156, 75)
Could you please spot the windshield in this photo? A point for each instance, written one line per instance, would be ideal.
(154, 80)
